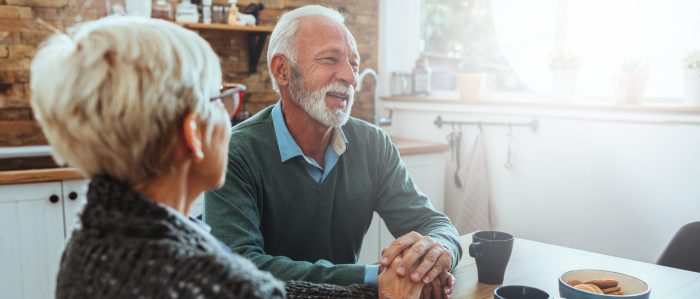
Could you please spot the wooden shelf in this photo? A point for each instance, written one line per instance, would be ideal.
(582, 105)
(256, 38)
(226, 27)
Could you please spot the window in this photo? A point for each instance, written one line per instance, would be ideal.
(598, 40)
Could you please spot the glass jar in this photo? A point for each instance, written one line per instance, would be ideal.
(186, 12)
(217, 14)
(399, 84)
(162, 10)
(206, 11)
(421, 78)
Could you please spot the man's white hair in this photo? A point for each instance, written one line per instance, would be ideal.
(111, 95)
(283, 38)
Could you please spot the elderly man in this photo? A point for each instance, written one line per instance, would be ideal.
(304, 178)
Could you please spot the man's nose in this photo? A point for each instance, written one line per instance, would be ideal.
(347, 74)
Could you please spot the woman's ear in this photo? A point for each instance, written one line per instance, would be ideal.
(193, 136)
(280, 69)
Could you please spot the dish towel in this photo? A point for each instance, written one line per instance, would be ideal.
(469, 206)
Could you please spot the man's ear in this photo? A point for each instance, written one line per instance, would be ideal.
(192, 136)
(280, 69)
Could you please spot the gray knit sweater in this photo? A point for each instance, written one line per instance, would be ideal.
(131, 247)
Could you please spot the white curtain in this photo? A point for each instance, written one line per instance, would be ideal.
(602, 33)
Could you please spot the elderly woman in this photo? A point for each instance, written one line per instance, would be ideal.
(133, 103)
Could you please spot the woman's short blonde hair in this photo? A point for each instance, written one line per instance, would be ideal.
(111, 94)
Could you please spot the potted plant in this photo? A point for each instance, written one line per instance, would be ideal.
(564, 65)
(692, 78)
(631, 81)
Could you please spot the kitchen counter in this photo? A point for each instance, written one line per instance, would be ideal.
(406, 146)
(38, 175)
(409, 147)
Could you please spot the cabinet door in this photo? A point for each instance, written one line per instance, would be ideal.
(31, 239)
(428, 172)
(74, 199)
(369, 253)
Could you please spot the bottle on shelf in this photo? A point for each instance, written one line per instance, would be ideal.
(162, 10)
(206, 11)
(233, 12)
(421, 77)
(186, 12)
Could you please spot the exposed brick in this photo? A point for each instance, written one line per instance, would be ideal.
(15, 12)
(14, 64)
(27, 163)
(14, 76)
(20, 132)
(48, 13)
(20, 34)
(21, 51)
(43, 3)
(13, 25)
(9, 38)
(35, 37)
(12, 91)
(18, 110)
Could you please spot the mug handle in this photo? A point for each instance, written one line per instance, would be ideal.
(475, 250)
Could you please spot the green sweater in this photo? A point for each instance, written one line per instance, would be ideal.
(277, 216)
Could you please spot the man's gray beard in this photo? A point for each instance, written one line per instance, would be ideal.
(314, 102)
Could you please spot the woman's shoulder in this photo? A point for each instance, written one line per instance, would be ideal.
(133, 268)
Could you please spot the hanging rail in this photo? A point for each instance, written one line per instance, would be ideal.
(533, 124)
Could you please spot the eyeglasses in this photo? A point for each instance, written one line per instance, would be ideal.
(232, 99)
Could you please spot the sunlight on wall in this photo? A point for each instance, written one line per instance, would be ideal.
(602, 34)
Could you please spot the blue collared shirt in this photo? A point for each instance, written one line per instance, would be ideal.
(289, 149)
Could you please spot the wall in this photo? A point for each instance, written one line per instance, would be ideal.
(584, 180)
(20, 34)
(615, 182)
(399, 38)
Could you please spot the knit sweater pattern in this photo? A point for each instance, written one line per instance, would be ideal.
(131, 247)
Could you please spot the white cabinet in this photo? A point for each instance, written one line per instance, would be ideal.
(74, 199)
(33, 235)
(428, 172)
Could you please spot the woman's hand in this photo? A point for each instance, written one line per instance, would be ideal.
(436, 289)
(394, 287)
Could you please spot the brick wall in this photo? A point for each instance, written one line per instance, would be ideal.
(21, 31)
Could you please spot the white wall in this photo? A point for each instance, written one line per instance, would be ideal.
(585, 179)
(399, 38)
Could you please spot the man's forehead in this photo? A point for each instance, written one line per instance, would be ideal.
(321, 34)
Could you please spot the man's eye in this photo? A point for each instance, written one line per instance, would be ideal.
(330, 59)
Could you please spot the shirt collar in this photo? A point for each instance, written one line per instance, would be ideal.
(289, 148)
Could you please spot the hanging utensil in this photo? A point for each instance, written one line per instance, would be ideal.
(451, 142)
(509, 162)
(458, 147)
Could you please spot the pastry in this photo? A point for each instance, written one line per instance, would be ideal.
(611, 290)
(591, 288)
(603, 283)
(574, 282)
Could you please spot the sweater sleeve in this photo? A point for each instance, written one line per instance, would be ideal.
(234, 216)
(228, 276)
(302, 289)
(405, 208)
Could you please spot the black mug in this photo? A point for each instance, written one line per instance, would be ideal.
(491, 249)
(519, 292)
